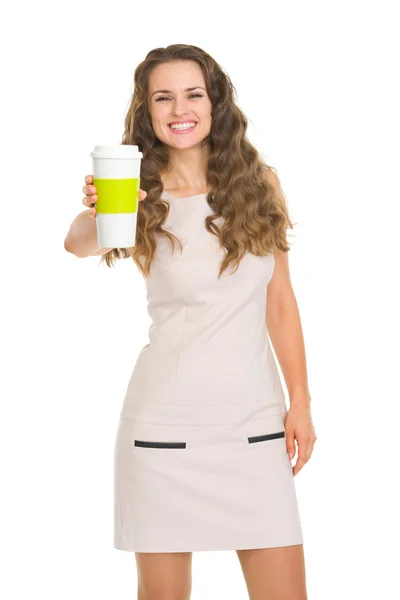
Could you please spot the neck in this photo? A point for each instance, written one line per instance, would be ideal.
(187, 170)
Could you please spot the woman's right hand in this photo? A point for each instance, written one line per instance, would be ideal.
(91, 195)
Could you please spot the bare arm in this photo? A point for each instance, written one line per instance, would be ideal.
(285, 331)
(81, 239)
(284, 324)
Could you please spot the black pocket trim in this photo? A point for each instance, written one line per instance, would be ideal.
(266, 436)
(160, 444)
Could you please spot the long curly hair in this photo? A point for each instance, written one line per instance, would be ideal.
(254, 211)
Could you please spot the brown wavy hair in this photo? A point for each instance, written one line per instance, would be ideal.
(254, 210)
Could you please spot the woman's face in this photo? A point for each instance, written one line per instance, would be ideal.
(170, 101)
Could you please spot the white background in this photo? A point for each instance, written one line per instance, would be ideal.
(318, 83)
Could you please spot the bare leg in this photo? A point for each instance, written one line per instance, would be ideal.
(164, 575)
(274, 573)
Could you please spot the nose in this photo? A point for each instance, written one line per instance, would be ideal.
(179, 106)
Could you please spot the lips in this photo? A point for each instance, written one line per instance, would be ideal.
(183, 130)
(181, 123)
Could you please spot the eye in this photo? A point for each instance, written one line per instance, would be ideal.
(166, 98)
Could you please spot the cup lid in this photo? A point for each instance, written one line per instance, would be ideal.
(116, 151)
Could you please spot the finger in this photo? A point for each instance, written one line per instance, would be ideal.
(298, 466)
(89, 190)
(310, 448)
(291, 449)
(89, 179)
(302, 456)
(142, 195)
(89, 201)
(311, 443)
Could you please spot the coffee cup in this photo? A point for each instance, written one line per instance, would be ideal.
(116, 177)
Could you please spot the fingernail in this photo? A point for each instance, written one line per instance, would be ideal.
(291, 455)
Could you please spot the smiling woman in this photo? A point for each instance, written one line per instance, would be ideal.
(201, 452)
(184, 103)
(185, 110)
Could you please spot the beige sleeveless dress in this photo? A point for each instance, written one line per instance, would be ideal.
(200, 452)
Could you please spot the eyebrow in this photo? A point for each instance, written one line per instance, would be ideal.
(187, 90)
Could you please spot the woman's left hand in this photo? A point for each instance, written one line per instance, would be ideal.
(299, 427)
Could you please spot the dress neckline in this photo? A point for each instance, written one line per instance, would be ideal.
(183, 197)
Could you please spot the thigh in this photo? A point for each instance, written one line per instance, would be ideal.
(274, 573)
(164, 575)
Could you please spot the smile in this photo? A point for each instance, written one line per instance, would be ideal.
(182, 128)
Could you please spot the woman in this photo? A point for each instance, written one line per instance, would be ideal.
(205, 441)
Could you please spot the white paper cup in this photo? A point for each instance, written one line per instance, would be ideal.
(116, 176)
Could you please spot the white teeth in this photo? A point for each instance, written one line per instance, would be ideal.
(188, 126)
